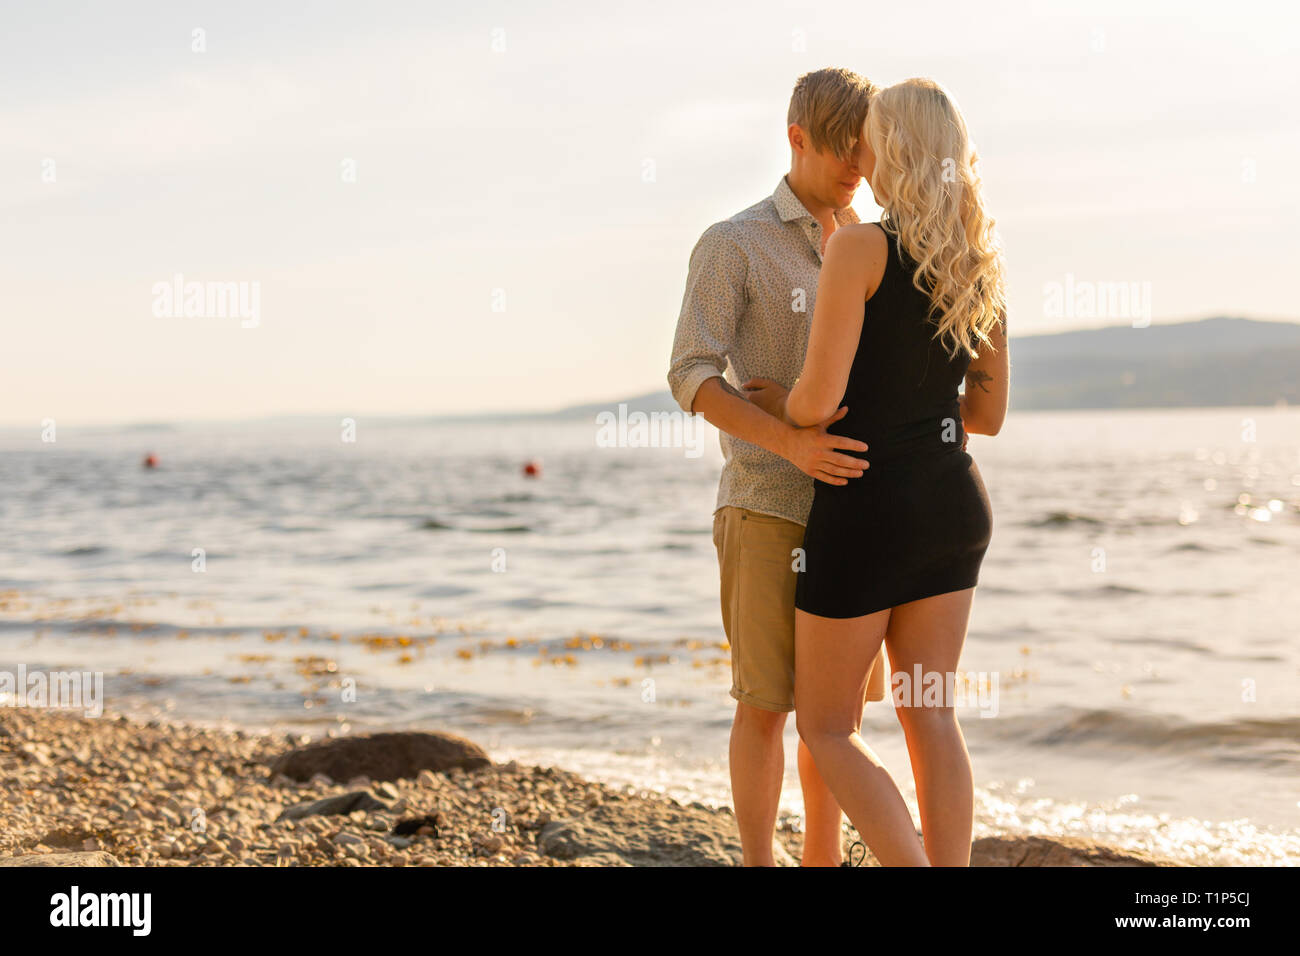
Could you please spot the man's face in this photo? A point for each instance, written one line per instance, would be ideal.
(839, 177)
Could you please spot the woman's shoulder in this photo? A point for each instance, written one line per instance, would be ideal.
(860, 239)
(860, 249)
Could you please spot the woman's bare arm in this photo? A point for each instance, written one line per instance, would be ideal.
(851, 272)
(988, 386)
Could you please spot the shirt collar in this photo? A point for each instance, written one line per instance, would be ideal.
(789, 208)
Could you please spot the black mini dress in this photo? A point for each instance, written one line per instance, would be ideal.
(917, 523)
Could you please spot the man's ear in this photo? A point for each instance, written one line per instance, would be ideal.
(798, 138)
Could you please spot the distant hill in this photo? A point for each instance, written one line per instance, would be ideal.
(1211, 362)
(649, 402)
(1219, 361)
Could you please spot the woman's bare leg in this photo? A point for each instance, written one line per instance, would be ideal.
(823, 841)
(833, 657)
(930, 633)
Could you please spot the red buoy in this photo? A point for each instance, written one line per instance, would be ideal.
(533, 469)
(151, 460)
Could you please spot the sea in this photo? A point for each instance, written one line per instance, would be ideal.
(1136, 629)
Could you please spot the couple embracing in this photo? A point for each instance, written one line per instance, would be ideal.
(850, 519)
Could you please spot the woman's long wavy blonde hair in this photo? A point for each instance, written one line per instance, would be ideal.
(926, 181)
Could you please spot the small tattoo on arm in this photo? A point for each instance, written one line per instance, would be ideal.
(979, 377)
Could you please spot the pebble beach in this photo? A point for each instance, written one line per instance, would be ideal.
(115, 791)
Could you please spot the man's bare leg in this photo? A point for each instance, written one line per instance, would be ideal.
(823, 822)
(757, 757)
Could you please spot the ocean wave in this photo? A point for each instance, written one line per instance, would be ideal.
(1075, 519)
(433, 524)
(1262, 741)
(445, 591)
(1106, 590)
(1194, 546)
(1064, 519)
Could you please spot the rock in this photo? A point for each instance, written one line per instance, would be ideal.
(1057, 851)
(385, 756)
(408, 826)
(97, 858)
(37, 754)
(386, 790)
(67, 839)
(343, 803)
(601, 859)
(645, 834)
(347, 839)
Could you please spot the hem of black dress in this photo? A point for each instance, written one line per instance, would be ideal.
(926, 593)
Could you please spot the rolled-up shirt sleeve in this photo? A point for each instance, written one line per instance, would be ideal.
(711, 309)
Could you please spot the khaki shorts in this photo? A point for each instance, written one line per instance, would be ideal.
(758, 580)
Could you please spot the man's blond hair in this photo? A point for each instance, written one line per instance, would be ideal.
(831, 107)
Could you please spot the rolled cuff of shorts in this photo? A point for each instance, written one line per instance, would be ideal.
(760, 703)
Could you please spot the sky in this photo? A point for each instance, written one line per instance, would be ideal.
(457, 208)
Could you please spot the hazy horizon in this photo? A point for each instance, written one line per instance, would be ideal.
(609, 400)
(487, 210)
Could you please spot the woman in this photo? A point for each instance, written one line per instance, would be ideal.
(906, 309)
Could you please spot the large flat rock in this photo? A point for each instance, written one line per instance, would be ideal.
(1057, 851)
(386, 756)
(95, 858)
(647, 833)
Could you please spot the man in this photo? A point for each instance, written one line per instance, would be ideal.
(746, 313)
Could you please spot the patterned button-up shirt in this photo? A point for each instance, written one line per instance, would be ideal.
(748, 306)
